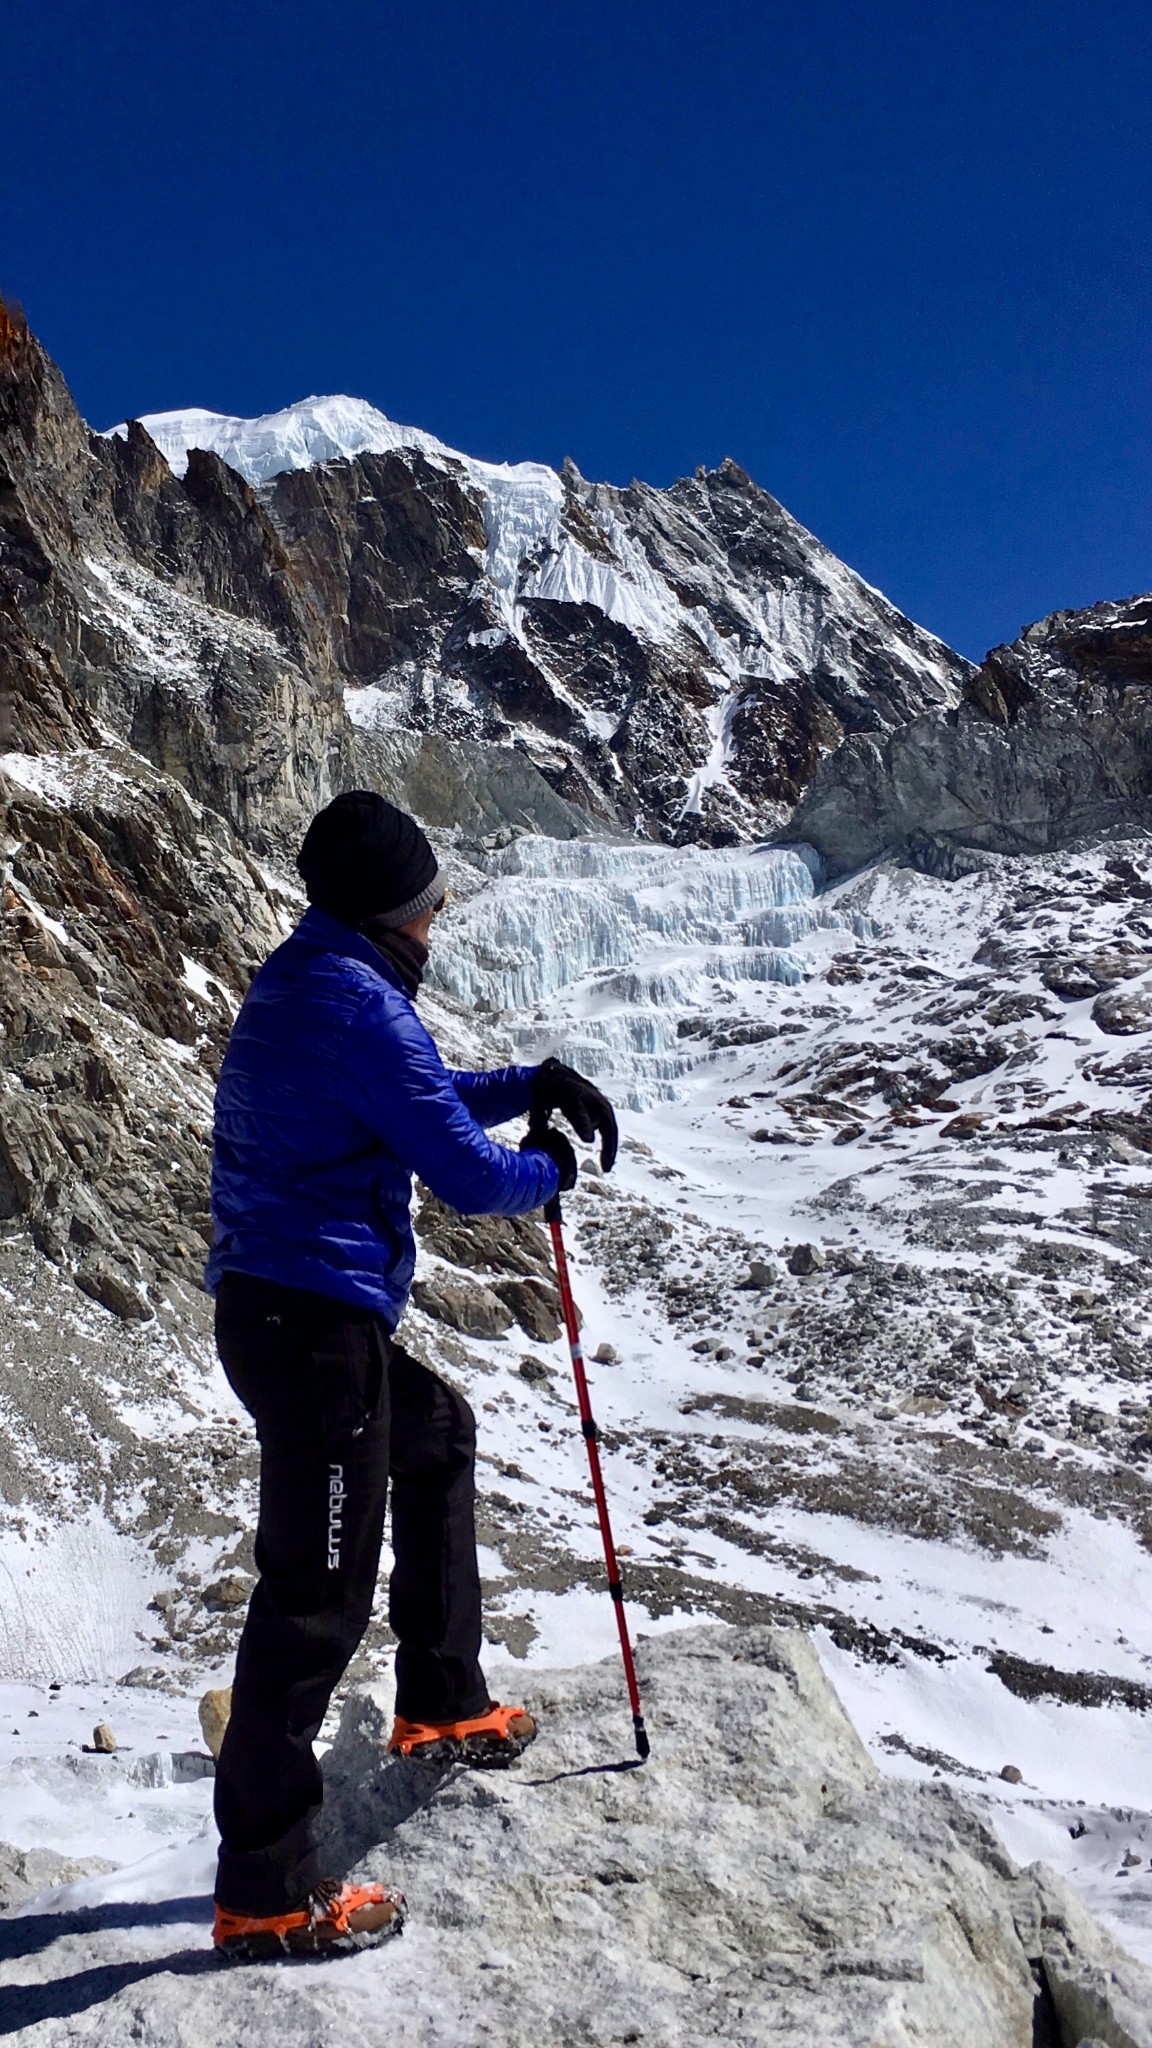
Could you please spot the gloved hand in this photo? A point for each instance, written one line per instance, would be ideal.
(555, 1086)
(559, 1151)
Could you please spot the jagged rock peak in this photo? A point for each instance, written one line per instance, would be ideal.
(683, 656)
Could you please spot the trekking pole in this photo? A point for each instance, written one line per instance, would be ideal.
(591, 1435)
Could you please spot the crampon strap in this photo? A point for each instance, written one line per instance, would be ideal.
(330, 1905)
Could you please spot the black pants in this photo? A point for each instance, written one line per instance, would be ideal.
(338, 1407)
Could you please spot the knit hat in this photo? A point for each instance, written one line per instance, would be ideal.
(363, 858)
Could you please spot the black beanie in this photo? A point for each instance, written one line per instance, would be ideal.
(363, 858)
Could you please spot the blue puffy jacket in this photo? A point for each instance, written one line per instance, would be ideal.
(331, 1096)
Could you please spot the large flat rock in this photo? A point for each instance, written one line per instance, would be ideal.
(758, 1882)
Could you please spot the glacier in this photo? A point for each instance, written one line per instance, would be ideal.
(601, 946)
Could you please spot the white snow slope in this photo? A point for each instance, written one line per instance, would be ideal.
(314, 430)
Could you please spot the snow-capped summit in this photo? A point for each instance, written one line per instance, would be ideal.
(680, 657)
(313, 430)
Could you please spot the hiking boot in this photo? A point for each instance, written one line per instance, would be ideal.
(335, 1920)
(490, 1740)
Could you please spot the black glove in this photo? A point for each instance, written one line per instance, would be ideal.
(555, 1086)
(559, 1151)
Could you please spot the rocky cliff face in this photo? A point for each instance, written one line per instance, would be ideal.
(1051, 742)
(169, 611)
(680, 657)
(674, 659)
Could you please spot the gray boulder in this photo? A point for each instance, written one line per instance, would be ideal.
(484, 1244)
(806, 1258)
(472, 1309)
(113, 1288)
(228, 1593)
(24, 1872)
(535, 1305)
(758, 1884)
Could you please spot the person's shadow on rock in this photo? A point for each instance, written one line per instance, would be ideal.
(27, 2005)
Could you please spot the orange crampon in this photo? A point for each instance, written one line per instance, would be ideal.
(491, 1739)
(335, 1919)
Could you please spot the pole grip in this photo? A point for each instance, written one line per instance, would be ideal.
(538, 1122)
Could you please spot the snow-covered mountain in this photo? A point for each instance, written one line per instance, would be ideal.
(674, 660)
(869, 1284)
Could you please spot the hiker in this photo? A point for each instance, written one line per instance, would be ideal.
(331, 1096)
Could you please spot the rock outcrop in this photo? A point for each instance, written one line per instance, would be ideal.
(1051, 743)
(681, 656)
(758, 1885)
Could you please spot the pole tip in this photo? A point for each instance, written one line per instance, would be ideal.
(643, 1746)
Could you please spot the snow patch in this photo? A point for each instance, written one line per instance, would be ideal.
(71, 1594)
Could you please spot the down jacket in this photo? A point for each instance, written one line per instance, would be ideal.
(331, 1096)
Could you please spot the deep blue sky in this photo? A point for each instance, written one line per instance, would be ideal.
(893, 257)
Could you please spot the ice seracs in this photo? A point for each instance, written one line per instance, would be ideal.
(632, 935)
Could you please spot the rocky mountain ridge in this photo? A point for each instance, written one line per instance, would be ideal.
(671, 660)
(1051, 743)
(676, 658)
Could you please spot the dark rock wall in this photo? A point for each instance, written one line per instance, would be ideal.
(1052, 743)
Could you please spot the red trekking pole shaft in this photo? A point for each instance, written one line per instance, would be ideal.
(592, 1439)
